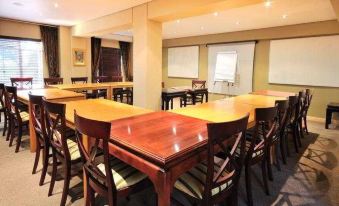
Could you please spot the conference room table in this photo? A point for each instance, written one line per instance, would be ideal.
(273, 93)
(54, 95)
(163, 145)
(108, 86)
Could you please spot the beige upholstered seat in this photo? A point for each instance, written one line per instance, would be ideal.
(193, 181)
(72, 146)
(248, 144)
(123, 174)
(24, 116)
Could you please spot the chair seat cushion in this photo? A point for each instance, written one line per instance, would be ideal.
(248, 144)
(24, 116)
(72, 146)
(193, 181)
(124, 175)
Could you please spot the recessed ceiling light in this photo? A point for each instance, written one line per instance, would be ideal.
(268, 4)
(178, 21)
(237, 23)
(56, 5)
(17, 4)
(215, 13)
(40, 13)
(202, 28)
(284, 16)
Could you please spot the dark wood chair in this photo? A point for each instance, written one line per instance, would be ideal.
(199, 98)
(214, 180)
(120, 93)
(22, 82)
(309, 97)
(3, 108)
(258, 146)
(101, 79)
(83, 80)
(64, 149)
(292, 123)
(112, 178)
(283, 118)
(53, 81)
(301, 108)
(17, 119)
(39, 124)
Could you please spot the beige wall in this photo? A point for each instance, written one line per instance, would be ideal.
(322, 95)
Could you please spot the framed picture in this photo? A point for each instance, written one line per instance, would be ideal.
(79, 57)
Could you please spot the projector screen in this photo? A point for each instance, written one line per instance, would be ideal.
(310, 61)
(183, 62)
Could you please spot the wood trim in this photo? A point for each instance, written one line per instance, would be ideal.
(27, 22)
(19, 38)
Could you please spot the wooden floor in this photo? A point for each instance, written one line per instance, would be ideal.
(310, 178)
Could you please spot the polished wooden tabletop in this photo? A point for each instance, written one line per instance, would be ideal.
(160, 137)
(93, 85)
(257, 100)
(273, 93)
(101, 109)
(48, 93)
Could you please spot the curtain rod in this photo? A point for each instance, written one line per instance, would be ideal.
(232, 42)
(27, 22)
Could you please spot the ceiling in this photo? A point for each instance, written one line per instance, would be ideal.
(263, 15)
(276, 13)
(62, 12)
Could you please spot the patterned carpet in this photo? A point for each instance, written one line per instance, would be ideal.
(310, 177)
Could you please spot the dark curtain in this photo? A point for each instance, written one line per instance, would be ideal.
(50, 41)
(96, 53)
(125, 55)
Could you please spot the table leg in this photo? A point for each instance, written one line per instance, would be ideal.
(32, 137)
(206, 99)
(86, 145)
(167, 103)
(193, 98)
(163, 189)
(109, 91)
(328, 118)
(172, 103)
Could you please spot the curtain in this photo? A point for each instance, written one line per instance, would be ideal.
(96, 53)
(125, 55)
(50, 41)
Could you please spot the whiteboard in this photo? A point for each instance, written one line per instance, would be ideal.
(183, 62)
(243, 71)
(225, 69)
(305, 61)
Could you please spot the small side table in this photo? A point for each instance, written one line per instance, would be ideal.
(331, 107)
(168, 95)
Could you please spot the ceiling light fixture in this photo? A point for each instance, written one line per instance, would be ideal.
(284, 16)
(178, 21)
(268, 4)
(56, 5)
(215, 13)
(202, 28)
(237, 23)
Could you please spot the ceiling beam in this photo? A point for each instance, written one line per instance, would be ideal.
(164, 10)
(335, 5)
(104, 25)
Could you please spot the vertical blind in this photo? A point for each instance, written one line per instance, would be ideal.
(20, 58)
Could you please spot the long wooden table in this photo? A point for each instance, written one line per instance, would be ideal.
(273, 93)
(108, 86)
(55, 95)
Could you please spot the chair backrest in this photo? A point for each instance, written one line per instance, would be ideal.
(81, 80)
(225, 137)
(266, 126)
(101, 79)
(53, 81)
(198, 84)
(38, 117)
(22, 82)
(96, 131)
(2, 95)
(116, 78)
(309, 96)
(292, 107)
(283, 106)
(302, 104)
(56, 127)
(11, 102)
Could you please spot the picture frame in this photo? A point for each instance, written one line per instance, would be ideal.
(79, 57)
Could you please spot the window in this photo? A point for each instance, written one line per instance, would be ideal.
(21, 58)
(226, 65)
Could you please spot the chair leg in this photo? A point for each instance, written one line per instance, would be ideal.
(90, 195)
(66, 184)
(37, 157)
(5, 125)
(276, 157)
(12, 132)
(299, 134)
(305, 123)
(264, 176)
(269, 163)
(301, 131)
(248, 185)
(53, 177)
(18, 139)
(9, 128)
(294, 133)
(283, 148)
(286, 145)
(44, 165)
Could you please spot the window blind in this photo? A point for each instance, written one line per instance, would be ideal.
(21, 58)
